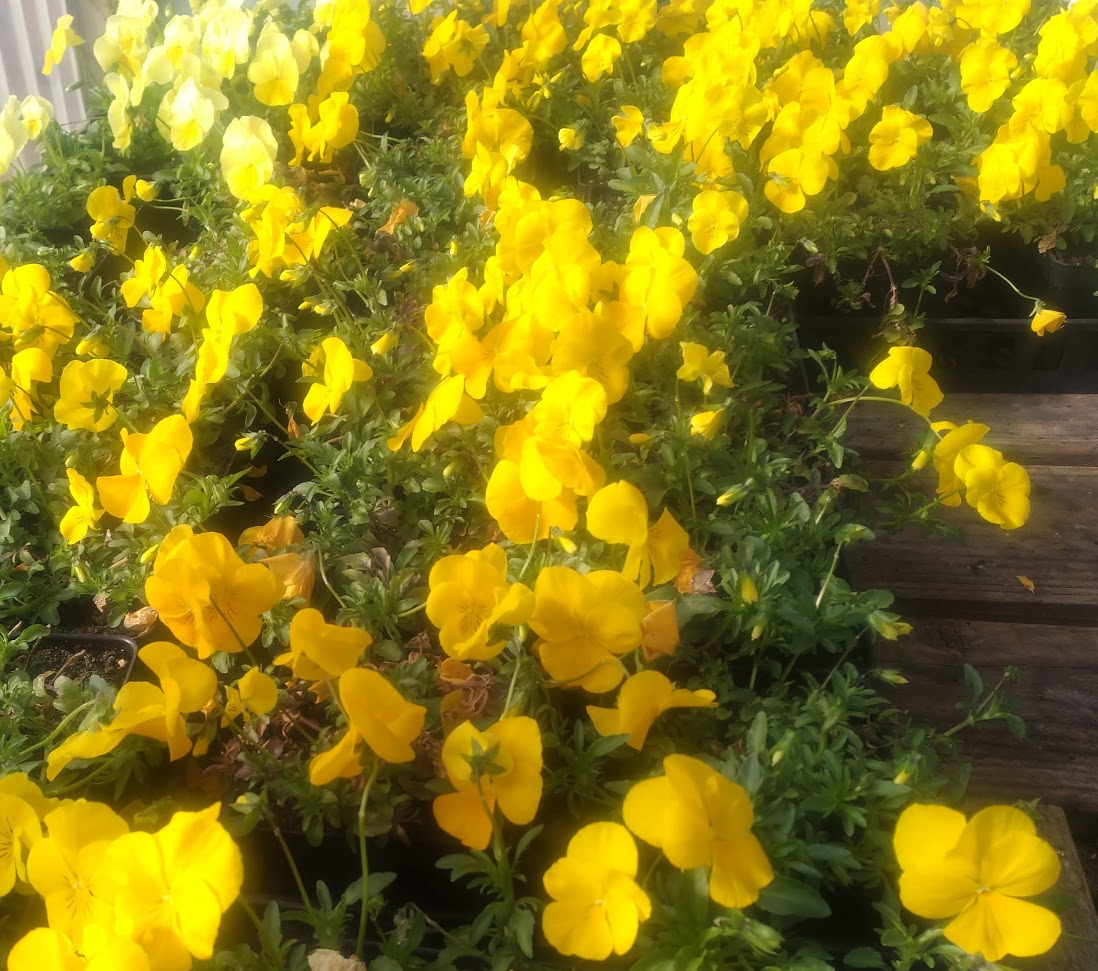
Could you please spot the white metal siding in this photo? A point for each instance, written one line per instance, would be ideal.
(26, 27)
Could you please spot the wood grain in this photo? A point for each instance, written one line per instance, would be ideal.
(1036, 429)
(1057, 549)
(1080, 920)
(1058, 669)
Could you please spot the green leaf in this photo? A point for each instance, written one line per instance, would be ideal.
(787, 897)
(756, 734)
(974, 681)
(864, 957)
(522, 926)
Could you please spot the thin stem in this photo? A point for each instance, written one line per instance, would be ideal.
(57, 731)
(1024, 296)
(82, 783)
(293, 866)
(499, 851)
(651, 869)
(252, 915)
(685, 458)
(830, 574)
(533, 544)
(327, 583)
(873, 397)
(361, 941)
(514, 679)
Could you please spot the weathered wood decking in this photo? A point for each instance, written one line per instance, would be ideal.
(967, 604)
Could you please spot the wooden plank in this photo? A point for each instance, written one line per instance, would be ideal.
(1057, 549)
(1080, 920)
(957, 642)
(1034, 429)
(1058, 669)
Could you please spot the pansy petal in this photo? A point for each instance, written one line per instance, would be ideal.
(997, 925)
(925, 834)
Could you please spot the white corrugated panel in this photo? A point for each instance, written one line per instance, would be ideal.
(26, 27)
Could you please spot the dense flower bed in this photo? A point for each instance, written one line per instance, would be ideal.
(419, 383)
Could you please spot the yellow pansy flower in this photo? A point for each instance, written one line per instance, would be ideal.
(145, 710)
(707, 424)
(659, 630)
(908, 370)
(641, 700)
(248, 152)
(45, 947)
(332, 361)
(150, 464)
(66, 867)
(985, 72)
(172, 886)
(273, 69)
(28, 368)
(600, 56)
(379, 720)
(500, 765)
(793, 175)
(206, 595)
(699, 363)
(63, 38)
(570, 139)
(87, 394)
(20, 830)
(596, 904)
(255, 694)
(618, 513)
(83, 516)
(628, 125)
(470, 599)
(976, 871)
(321, 650)
(895, 139)
(715, 219)
(1047, 321)
(699, 818)
(955, 440)
(585, 622)
(83, 261)
(32, 312)
(998, 490)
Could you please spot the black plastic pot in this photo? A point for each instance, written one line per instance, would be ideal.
(1070, 284)
(79, 655)
(997, 355)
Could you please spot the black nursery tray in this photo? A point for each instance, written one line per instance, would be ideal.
(79, 655)
(995, 355)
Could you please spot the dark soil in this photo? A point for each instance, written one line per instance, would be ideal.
(79, 658)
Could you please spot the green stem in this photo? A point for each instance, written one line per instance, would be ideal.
(58, 730)
(82, 783)
(514, 679)
(252, 915)
(960, 726)
(533, 544)
(306, 902)
(499, 851)
(361, 941)
(327, 583)
(1009, 283)
(685, 459)
(875, 397)
(830, 574)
